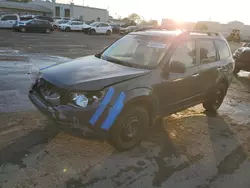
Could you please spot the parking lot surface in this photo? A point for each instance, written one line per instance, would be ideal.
(191, 148)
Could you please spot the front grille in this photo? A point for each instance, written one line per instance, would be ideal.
(50, 93)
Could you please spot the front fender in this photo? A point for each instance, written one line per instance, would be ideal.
(142, 94)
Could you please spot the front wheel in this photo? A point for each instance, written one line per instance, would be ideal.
(67, 29)
(92, 32)
(108, 32)
(215, 98)
(48, 30)
(129, 129)
(23, 29)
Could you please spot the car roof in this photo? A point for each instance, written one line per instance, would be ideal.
(159, 33)
(176, 33)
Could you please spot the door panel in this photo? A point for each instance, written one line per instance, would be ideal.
(209, 64)
(182, 89)
(97, 29)
(179, 90)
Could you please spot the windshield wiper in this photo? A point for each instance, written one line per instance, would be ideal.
(117, 61)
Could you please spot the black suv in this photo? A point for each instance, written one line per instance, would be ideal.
(242, 59)
(140, 77)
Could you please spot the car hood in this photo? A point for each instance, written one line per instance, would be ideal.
(89, 74)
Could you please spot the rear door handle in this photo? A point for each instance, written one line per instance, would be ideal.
(195, 74)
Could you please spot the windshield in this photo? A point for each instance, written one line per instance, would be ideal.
(94, 24)
(62, 22)
(136, 50)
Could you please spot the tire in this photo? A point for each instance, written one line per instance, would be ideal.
(129, 129)
(54, 27)
(108, 32)
(48, 30)
(23, 29)
(215, 98)
(67, 29)
(92, 32)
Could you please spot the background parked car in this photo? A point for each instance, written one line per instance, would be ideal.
(33, 25)
(115, 28)
(8, 20)
(242, 59)
(49, 19)
(60, 22)
(129, 29)
(99, 28)
(73, 26)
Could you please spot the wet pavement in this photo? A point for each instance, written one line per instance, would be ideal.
(191, 149)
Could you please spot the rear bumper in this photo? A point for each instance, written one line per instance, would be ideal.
(72, 116)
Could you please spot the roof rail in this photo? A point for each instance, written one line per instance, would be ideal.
(149, 28)
(209, 33)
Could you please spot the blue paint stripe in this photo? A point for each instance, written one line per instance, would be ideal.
(114, 112)
(47, 67)
(102, 106)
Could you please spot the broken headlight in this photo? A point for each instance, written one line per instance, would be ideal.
(83, 99)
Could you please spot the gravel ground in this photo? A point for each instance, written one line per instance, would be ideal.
(191, 149)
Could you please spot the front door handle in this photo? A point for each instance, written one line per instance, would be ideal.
(195, 74)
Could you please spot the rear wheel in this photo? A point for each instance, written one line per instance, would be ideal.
(129, 129)
(67, 29)
(23, 29)
(215, 98)
(108, 32)
(54, 27)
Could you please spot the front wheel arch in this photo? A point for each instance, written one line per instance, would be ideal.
(146, 100)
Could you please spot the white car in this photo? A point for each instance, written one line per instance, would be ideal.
(100, 28)
(60, 22)
(73, 26)
(8, 20)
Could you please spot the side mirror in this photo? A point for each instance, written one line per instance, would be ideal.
(177, 67)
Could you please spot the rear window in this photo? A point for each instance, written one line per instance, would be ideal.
(223, 49)
(25, 18)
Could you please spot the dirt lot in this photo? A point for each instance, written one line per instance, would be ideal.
(192, 148)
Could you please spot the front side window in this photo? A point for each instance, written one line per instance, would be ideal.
(223, 49)
(207, 51)
(137, 50)
(185, 53)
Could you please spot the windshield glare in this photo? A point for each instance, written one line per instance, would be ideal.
(144, 51)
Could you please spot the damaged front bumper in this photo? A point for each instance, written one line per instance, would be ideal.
(70, 115)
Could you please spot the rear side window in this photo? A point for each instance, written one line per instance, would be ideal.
(42, 22)
(9, 18)
(223, 49)
(185, 53)
(207, 51)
